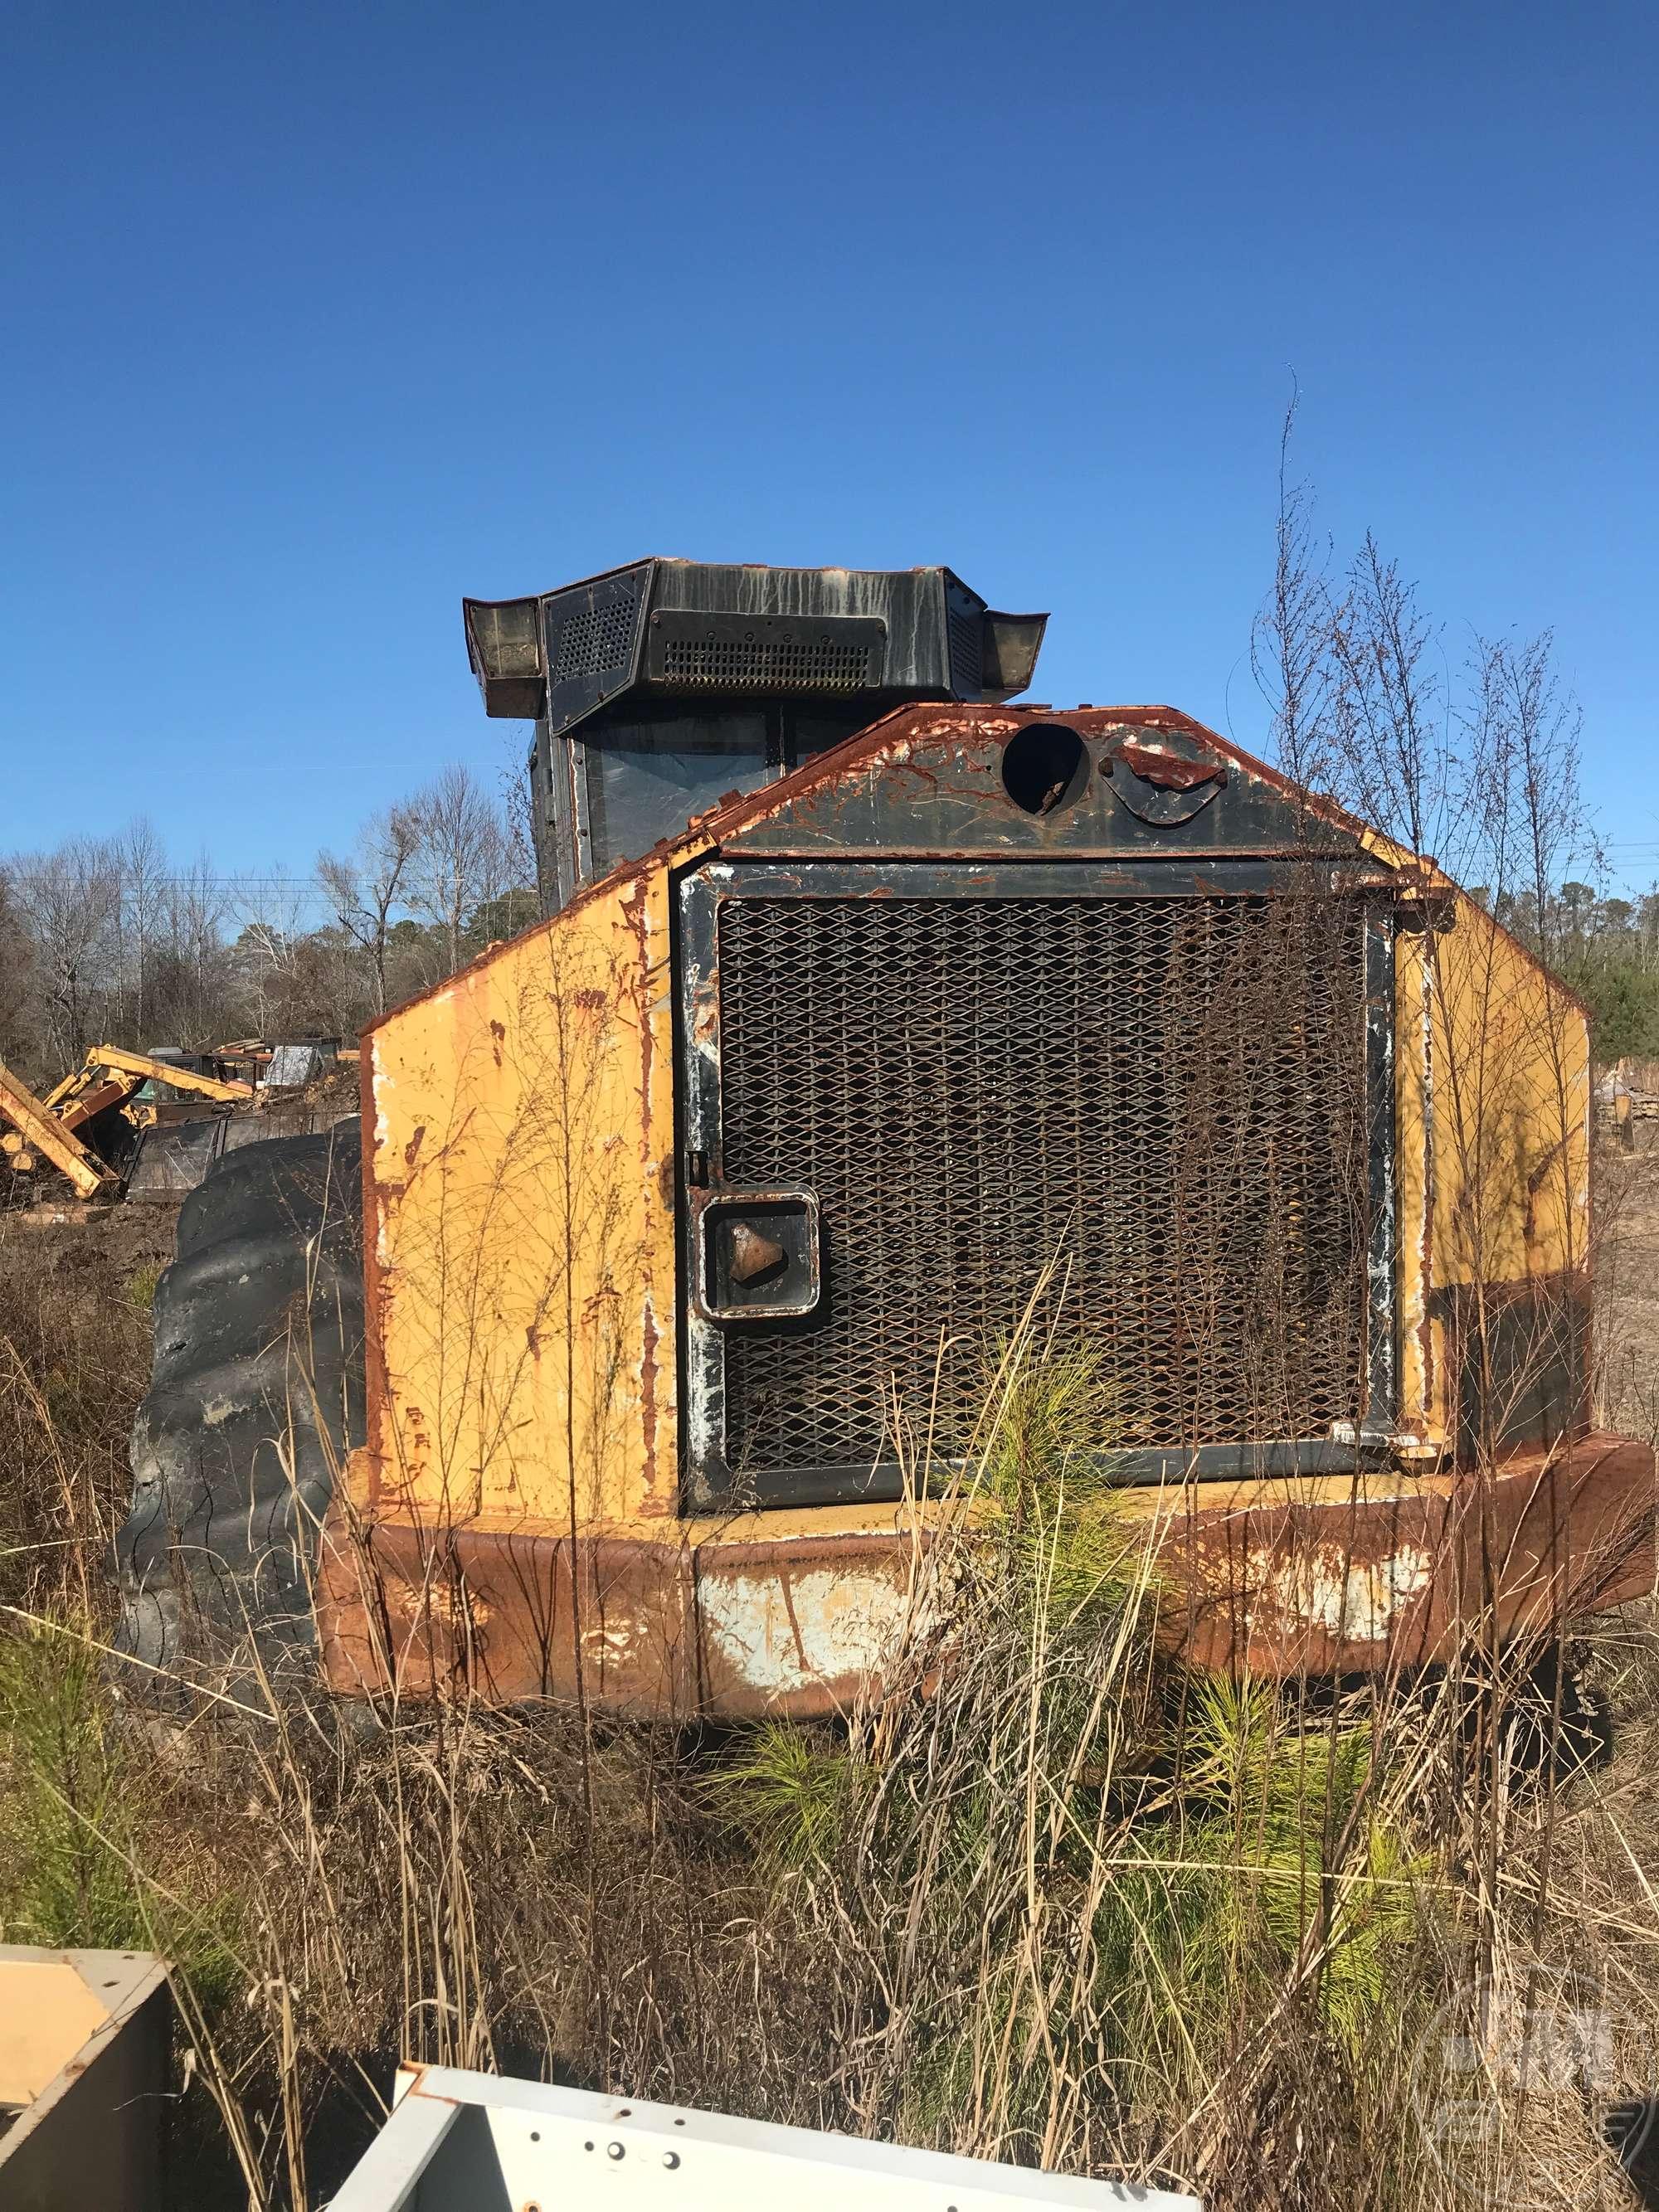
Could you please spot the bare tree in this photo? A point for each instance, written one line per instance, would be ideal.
(16, 974)
(270, 910)
(460, 859)
(366, 887)
(69, 903)
(143, 864)
(196, 963)
(1387, 706)
(1290, 640)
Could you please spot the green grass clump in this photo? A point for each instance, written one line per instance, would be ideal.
(792, 1793)
(1269, 1873)
(70, 1854)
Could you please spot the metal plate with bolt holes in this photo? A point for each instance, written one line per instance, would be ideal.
(756, 1254)
(477, 2141)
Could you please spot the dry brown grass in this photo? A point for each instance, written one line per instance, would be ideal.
(1072, 1908)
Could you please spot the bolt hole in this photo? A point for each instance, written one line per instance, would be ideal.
(535, 2134)
(679, 2123)
(1044, 766)
(588, 2145)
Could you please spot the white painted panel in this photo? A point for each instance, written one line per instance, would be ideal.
(525, 2144)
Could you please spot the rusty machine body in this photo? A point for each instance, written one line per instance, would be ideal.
(865, 1003)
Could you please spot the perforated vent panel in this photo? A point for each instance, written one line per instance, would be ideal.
(1165, 1097)
(728, 664)
(594, 640)
(833, 654)
(967, 639)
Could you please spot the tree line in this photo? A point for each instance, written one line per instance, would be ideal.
(1466, 756)
(1607, 948)
(113, 940)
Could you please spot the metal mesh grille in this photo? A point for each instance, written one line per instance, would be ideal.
(1166, 1095)
(804, 664)
(593, 640)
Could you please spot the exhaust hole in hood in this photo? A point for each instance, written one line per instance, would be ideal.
(1045, 767)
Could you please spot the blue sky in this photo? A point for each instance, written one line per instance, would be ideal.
(320, 316)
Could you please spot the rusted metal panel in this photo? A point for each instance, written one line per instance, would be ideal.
(85, 1105)
(465, 1137)
(654, 1627)
(929, 782)
(1166, 768)
(1348, 1575)
(1395, 1574)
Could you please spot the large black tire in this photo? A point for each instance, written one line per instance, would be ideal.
(256, 1396)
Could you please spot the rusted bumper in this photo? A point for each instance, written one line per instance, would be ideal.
(1337, 1576)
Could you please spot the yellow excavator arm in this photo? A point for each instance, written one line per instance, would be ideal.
(37, 1133)
(109, 1076)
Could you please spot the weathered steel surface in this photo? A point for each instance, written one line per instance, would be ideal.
(927, 783)
(1400, 1569)
(87, 1105)
(1169, 770)
(1334, 1575)
(178, 1152)
(525, 1186)
(664, 1625)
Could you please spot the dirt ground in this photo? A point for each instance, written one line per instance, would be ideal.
(116, 1241)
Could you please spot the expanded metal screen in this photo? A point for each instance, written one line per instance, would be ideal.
(1164, 1098)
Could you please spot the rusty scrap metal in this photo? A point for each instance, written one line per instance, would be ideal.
(143, 1069)
(109, 1078)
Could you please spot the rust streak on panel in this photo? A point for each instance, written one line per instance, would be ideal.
(1341, 1575)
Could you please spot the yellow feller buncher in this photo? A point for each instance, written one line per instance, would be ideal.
(651, 1309)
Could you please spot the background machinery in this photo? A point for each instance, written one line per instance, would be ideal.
(89, 1127)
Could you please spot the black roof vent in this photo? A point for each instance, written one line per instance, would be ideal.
(694, 628)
